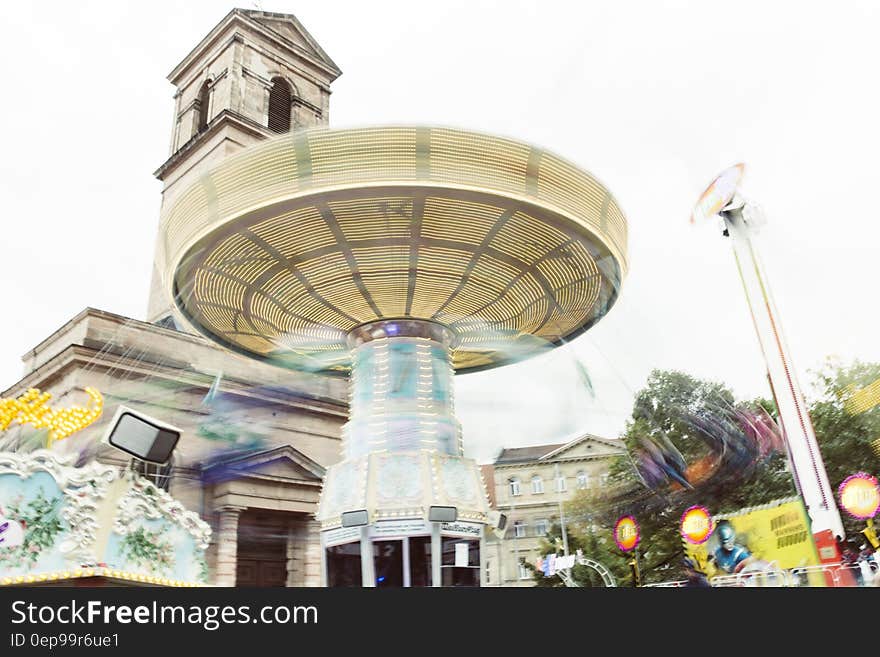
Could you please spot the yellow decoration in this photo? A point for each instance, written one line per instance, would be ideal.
(862, 400)
(97, 572)
(31, 408)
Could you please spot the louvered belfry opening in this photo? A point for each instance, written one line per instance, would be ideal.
(203, 106)
(279, 106)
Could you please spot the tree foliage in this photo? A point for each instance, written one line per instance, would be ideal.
(597, 544)
(678, 412)
(845, 423)
(699, 422)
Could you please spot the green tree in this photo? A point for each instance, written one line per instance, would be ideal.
(846, 424)
(663, 407)
(593, 545)
(701, 424)
(669, 411)
(594, 514)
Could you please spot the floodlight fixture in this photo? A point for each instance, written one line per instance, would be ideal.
(357, 518)
(142, 436)
(443, 514)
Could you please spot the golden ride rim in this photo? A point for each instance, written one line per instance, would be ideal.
(332, 229)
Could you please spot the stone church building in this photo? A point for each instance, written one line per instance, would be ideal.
(256, 439)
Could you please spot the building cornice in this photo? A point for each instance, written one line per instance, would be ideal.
(73, 355)
(224, 118)
(117, 319)
(549, 456)
(248, 461)
(539, 463)
(527, 505)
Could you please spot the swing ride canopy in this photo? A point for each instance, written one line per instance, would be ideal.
(282, 250)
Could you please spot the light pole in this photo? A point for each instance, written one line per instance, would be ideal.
(561, 513)
(636, 568)
(741, 219)
(516, 562)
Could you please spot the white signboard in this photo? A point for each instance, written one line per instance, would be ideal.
(469, 529)
(399, 528)
(341, 535)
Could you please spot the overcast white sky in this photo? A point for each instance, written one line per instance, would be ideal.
(654, 98)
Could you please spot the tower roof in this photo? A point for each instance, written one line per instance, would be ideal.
(284, 30)
(288, 27)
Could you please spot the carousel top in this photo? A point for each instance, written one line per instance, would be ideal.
(283, 249)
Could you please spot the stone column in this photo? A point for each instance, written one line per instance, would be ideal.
(295, 554)
(311, 537)
(227, 545)
(304, 553)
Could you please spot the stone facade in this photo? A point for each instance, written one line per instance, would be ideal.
(530, 484)
(169, 375)
(256, 439)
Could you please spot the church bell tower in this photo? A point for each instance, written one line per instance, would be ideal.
(255, 75)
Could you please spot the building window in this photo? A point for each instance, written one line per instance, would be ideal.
(421, 573)
(279, 106)
(583, 480)
(519, 529)
(524, 572)
(537, 484)
(541, 527)
(461, 562)
(514, 486)
(204, 100)
(344, 565)
(560, 484)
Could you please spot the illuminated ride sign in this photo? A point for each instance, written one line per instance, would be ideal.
(696, 525)
(626, 533)
(860, 495)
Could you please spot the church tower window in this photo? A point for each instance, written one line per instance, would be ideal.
(279, 105)
(204, 98)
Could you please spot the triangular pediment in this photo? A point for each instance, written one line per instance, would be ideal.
(283, 29)
(289, 32)
(292, 31)
(586, 446)
(281, 463)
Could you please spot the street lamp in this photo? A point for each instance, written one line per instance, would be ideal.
(561, 511)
